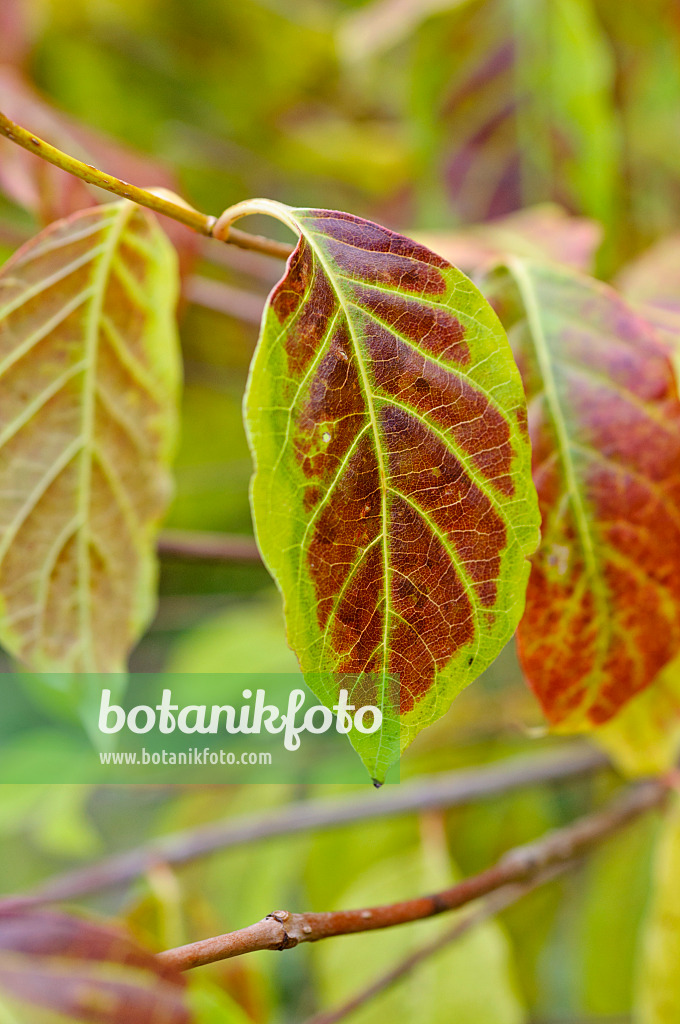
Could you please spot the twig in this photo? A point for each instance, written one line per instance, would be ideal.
(177, 210)
(449, 789)
(224, 298)
(491, 906)
(284, 930)
(209, 547)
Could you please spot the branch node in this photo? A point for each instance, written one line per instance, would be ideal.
(221, 225)
(282, 917)
(526, 861)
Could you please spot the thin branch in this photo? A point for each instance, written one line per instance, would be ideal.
(224, 298)
(491, 906)
(156, 201)
(449, 789)
(284, 930)
(209, 547)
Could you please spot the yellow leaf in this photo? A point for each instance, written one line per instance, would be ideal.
(89, 372)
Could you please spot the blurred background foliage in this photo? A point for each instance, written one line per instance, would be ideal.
(429, 116)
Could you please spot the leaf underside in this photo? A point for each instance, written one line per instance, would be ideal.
(88, 378)
(392, 497)
(603, 602)
(55, 969)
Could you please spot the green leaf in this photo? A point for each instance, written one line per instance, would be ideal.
(603, 602)
(469, 981)
(248, 637)
(606, 927)
(659, 980)
(392, 497)
(645, 39)
(501, 119)
(59, 969)
(89, 373)
(212, 1005)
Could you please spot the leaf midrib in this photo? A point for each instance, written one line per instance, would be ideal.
(368, 397)
(576, 500)
(86, 454)
(385, 488)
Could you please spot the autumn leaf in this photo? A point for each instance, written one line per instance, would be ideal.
(57, 969)
(89, 372)
(644, 737)
(652, 284)
(603, 602)
(392, 497)
(653, 278)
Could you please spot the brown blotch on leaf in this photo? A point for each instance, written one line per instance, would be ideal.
(332, 414)
(453, 405)
(288, 293)
(433, 328)
(312, 498)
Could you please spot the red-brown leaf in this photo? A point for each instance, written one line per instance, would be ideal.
(392, 497)
(55, 967)
(603, 602)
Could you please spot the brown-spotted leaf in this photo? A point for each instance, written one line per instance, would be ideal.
(60, 969)
(644, 738)
(392, 496)
(89, 371)
(603, 601)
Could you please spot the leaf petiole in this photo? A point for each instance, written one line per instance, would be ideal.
(157, 201)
